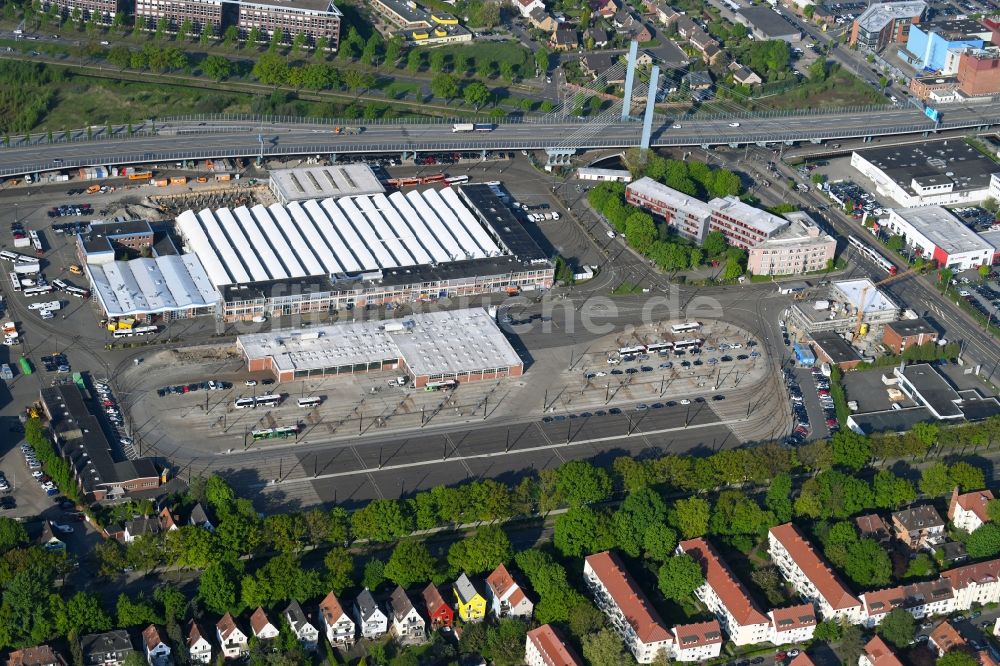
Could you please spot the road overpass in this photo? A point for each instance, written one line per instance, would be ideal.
(192, 139)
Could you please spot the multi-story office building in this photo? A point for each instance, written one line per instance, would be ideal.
(725, 597)
(979, 71)
(201, 13)
(103, 10)
(315, 19)
(801, 247)
(886, 22)
(810, 575)
(743, 225)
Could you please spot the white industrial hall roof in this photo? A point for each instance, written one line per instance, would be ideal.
(152, 286)
(431, 343)
(318, 182)
(348, 235)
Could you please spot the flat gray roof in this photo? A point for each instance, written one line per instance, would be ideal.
(659, 192)
(908, 327)
(296, 5)
(877, 16)
(769, 22)
(890, 420)
(320, 182)
(933, 389)
(430, 343)
(943, 229)
(950, 160)
(834, 346)
(875, 300)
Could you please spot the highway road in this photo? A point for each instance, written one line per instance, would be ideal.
(197, 139)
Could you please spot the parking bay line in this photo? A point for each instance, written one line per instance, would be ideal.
(479, 456)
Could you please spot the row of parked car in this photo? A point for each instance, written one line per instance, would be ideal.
(210, 385)
(71, 210)
(107, 399)
(31, 460)
(56, 363)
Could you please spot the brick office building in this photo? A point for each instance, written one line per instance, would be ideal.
(979, 72)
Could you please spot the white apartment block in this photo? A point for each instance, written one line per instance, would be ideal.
(919, 599)
(975, 584)
(968, 512)
(628, 610)
(725, 597)
(697, 642)
(810, 575)
(795, 624)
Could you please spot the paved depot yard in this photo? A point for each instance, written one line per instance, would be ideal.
(202, 430)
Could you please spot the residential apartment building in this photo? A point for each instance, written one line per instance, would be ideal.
(795, 624)
(801, 247)
(201, 14)
(154, 644)
(631, 615)
(968, 511)
(725, 597)
(543, 647)
(919, 526)
(314, 18)
(505, 596)
(919, 599)
(975, 584)
(699, 642)
(337, 625)
(810, 575)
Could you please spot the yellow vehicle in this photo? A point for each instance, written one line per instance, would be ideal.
(75, 270)
(202, 179)
(126, 324)
(93, 189)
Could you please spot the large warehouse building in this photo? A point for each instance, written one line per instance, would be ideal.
(319, 255)
(935, 233)
(934, 173)
(460, 345)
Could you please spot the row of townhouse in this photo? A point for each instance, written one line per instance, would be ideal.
(340, 625)
(637, 623)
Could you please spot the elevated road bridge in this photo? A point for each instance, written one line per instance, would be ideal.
(200, 138)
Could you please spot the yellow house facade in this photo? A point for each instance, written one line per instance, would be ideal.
(471, 605)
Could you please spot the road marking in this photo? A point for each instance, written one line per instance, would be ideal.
(492, 454)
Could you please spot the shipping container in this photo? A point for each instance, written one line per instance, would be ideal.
(222, 177)
(161, 182)
(178, 180)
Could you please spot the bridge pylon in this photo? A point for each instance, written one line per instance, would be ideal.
(633, 54)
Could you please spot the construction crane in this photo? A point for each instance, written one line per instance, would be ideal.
(860, 306)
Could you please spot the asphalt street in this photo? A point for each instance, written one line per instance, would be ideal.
(199, 139)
